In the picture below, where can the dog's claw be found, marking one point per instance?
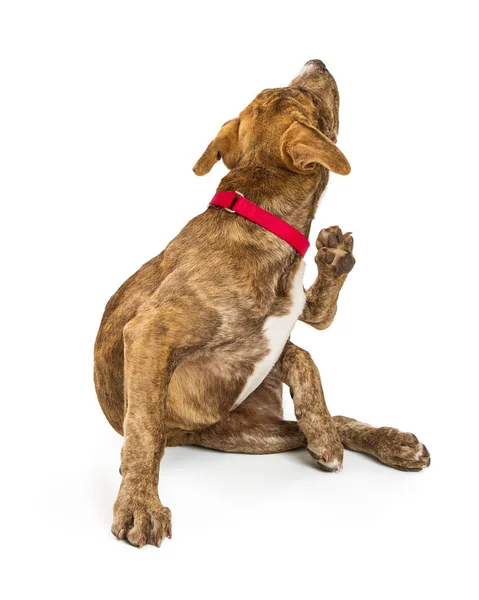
(325, 464)
(349, 240)
(326, 469)
(141, 521)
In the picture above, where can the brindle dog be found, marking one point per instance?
(194, 347)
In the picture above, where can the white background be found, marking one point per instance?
(105, 107)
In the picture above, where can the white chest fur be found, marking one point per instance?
(276, 331)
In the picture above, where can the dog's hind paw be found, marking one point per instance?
(335, 250)
(400, 450)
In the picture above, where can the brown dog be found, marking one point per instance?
(194, 347)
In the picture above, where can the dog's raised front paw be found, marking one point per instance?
(140, 518)
(400, 450)
(335, 250)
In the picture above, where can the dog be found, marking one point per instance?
(194, 347)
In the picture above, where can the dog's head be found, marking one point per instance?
(293, 127)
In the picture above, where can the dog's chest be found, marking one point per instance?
(276, 330)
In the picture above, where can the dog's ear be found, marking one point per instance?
(304, 147)
(225, 146)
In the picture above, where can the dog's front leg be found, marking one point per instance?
(138, 514)
(296, 368)
(334, 260)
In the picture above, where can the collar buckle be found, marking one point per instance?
(233, 202)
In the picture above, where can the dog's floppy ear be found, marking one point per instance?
(304, 147)
(225, 146)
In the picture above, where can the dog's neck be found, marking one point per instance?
(290, 196)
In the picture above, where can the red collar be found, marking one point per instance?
(235, 202)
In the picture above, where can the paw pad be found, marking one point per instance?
(335, 250)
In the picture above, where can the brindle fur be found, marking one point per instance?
(179, 339)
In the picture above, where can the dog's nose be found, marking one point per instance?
(315, 77)
(316, 64)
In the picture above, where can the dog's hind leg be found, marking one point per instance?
(255, 427)
(248, 430)
(249, 433)
(392, 447)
